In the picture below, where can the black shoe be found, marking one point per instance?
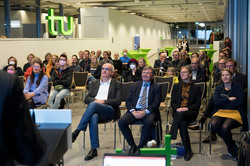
(233, 152)
(137, 151)
(92, 153)
(188, 155)
(213, 138)
(133, 149)
(75, 135)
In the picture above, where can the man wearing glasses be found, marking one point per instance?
(61, 79)
(143, 103)
(103, 99)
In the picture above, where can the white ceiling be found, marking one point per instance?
(169, 11)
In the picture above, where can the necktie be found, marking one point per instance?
(143, 101)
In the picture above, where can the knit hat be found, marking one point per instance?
(132, 60)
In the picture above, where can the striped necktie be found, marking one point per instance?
(143, 101)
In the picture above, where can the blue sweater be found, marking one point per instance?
(41, 91)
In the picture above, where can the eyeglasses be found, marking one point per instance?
(147, 73)
(222, 63)
(229, 66)
(183, 72)
(36, 67)
(107, 69)
(62, 59)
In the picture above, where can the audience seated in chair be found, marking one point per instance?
(12, 70)
(198, 73)
(46, 59)
(84, 63)
(51, 64)
(94, 70)
(216, 64)
(61, 79)
(29, 63)
(170, 73)
(143, 103)
(36, 89)
(133, 74)
(13, 61)
(185, 102)
(229, 112)
(105, 59)
(98, 55)
(74, 64)
(162, 63)
(238, 78)
(103, 101)
(118, 64)
(177, 63)
(185, 57)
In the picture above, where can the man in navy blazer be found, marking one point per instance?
(137, 111)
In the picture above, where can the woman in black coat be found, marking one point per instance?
(229, 112)
(185, 102)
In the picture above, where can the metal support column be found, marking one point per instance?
(7, 18)
(38, 19)
(205, 36)
(61, 10)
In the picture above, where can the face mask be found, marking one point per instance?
(124, 53)
(62, 63)
(10, 71)
(12, 63)
(132, 66)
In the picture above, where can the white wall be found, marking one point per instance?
(122, 28)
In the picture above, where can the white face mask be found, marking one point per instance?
(132, 66)
(12, 63)
(124, 53)
(62, 63)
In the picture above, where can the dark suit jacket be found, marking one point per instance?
(194, 100)
(177, 65)
(222, 102)
(114, 95)
(154, 97)
(19, 138)
(165, 65)
(240, 78)
(201, 75)
(82, 64)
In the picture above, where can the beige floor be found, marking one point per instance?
(75, 156)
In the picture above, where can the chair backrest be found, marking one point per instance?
(163, 73)
(125, 89)
(164, 90)
(157, 71)
(170, 80)
(202, 87)
(80, 78)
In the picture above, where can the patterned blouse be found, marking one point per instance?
(185, 94)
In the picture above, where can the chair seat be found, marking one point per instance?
(193, 123)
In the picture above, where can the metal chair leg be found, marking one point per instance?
(83, 140)
(210, 139)
(114, 135)
(200, 138)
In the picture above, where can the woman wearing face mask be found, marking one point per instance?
(36, 89)
(12, 61)
(133, 74)
(11, 69)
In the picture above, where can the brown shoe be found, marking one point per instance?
(213, 138)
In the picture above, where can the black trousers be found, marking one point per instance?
(223, 126)
(128, 119)
(181, 120)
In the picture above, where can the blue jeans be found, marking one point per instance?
(57, 96)
(93, 114)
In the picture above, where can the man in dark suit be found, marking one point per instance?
(177, 63)
(86, 60)
(162, 63)
(198, 73)
(143, 103)
(19, 138)
(103, 99)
